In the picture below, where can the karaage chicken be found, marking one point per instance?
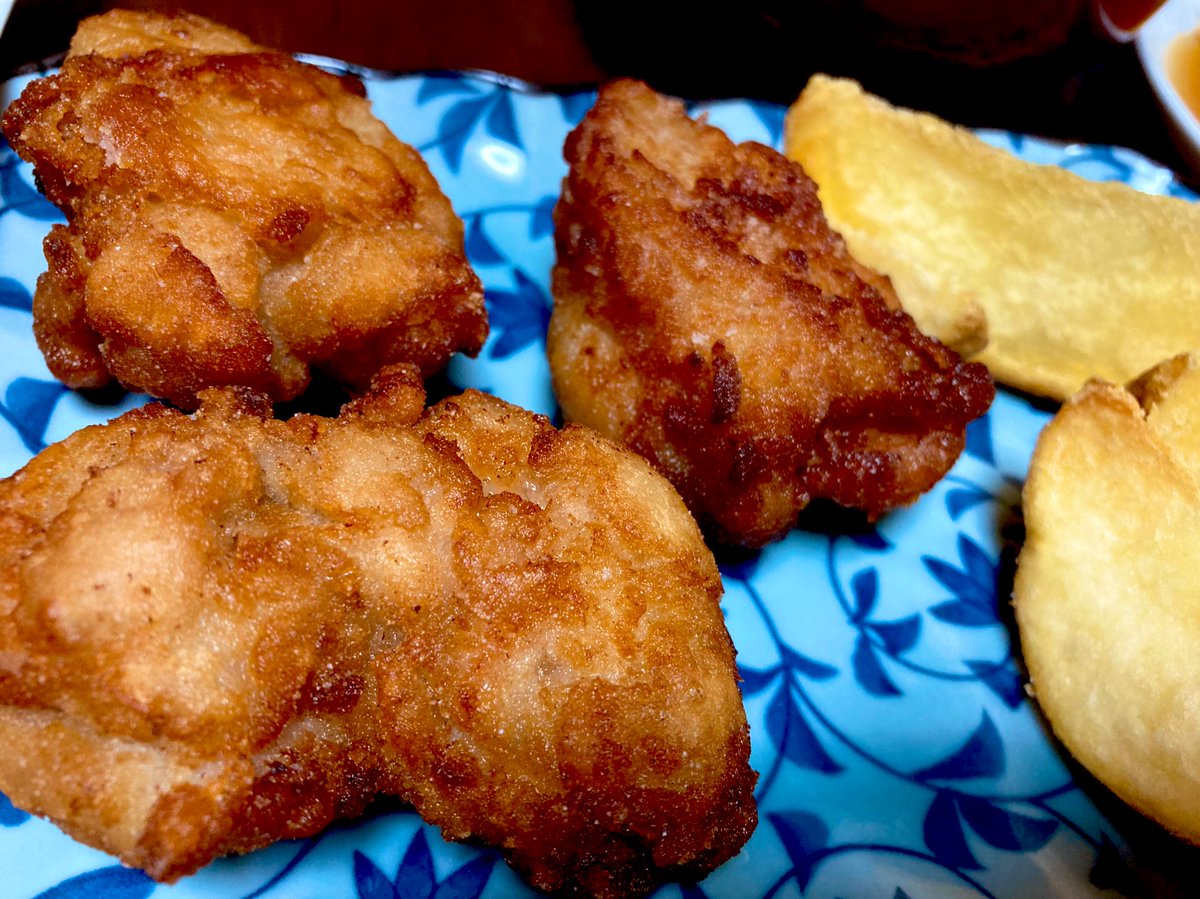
(235, 217)
(221, 630)
(708, 317)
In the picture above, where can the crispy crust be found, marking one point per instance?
(708, 317)
(1044, 276)
(221, 630)
(1107, 591)
(235, 217)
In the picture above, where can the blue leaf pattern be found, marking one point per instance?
(973, 586)
(963, 613)
(501, 122)
(17, 196)
(792, 736)
(979, 440)
(870, 540)
(944, 835)
(961, 499)
(468, 881)
(804, 837)
(575, 106)
(10, 815)
(811, 720)
(808, 667)
(370, 882)
(982, 755)
(897, 636)
(442, 86)
(479, 247)
(28, 405)
(741, 569)
(868, 670)
(772, 118)
(518, 317)
(1003, 680)
(456, 128)
(865, 587)
(114, 882)
(1098, 165)
(755, 681)
(1005, 829)
(415, 877)
(541, 223)
(13, 295)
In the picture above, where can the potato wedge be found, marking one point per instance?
(1063, 278)
(1107, 590)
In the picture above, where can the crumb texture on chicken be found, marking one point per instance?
(708, 317)
(222, 630)
(235, 217)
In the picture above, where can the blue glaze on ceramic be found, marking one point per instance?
(898, 753)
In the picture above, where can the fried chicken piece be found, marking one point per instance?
(707, 316)
(222, 630)
(235, 218)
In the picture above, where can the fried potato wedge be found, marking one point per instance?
(1107, 589)
(1062, 278)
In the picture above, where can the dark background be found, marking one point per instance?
(1041, 67)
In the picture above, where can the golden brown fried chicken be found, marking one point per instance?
(235, 218)
(221, 630)
(708, 317)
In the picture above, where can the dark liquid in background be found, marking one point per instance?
(1044, 67)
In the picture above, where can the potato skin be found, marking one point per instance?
(234, 217)
(706, 316)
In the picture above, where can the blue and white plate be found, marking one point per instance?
(898, 753)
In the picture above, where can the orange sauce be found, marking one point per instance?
(1183, 68)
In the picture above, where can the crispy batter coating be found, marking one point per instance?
(235, 218)
(1047, 278)
(1107, 588)
(708, 317)
(221, 630)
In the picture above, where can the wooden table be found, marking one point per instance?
(1084, 89)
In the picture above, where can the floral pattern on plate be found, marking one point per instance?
(899, 755)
